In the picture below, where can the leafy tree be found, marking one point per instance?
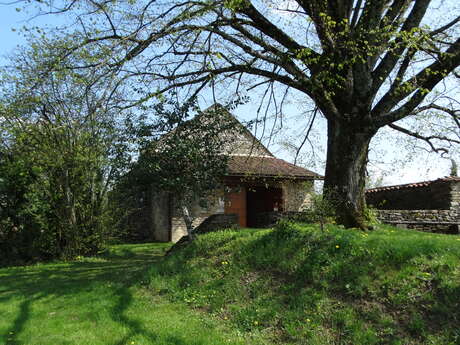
(62, 148)
(366, 64)
(321, 211)
(20, 202)
(183, 156)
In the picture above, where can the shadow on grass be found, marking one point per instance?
(136, 327)
(19, 322)
(121, 269)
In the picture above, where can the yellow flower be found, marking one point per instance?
(337, 246)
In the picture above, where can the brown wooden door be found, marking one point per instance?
(235, 202)
(261, 200)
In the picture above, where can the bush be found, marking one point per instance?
(51, 206)
(321, 211)
(371, 215)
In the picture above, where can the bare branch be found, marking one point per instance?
(427, 139)
(310, 126)
(420, 84)
(445, 27)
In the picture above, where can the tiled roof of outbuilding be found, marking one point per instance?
(268, 167)
(414, 185)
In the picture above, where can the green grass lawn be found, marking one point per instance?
(101, 301)
(294, 284)
(300, 285)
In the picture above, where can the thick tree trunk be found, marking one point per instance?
(344, 185)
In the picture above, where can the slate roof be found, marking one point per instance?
(414, 185)
(265, 166)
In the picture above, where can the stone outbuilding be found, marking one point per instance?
(428, 205)
(256, 184)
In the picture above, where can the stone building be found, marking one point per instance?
(256, 183)
(429, 205)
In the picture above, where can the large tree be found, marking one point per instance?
(62, 144)
(365, 64)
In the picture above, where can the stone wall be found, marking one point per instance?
(214, 205)
(159, 216)
(296, 195)
(436, 195)
(425, 220)
(428, 206)
(455, 196)
(178, 228)
(241, 142)
(217, 222)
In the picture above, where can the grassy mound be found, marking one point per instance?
(299, 285)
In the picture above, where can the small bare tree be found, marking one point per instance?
(182, 156)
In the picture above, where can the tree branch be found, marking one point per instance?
(427, 139)
(383, 70)
(421, 84)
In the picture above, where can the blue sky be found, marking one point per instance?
(12, 22)
(9, 19)
(424, 167)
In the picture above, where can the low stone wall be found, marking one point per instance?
(199, 211)
(441, 194)
(218, 222)
(296, 195)
(432, 196)
(446, 221)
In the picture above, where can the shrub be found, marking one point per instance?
(321, 211)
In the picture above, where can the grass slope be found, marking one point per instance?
(100, 301)
(298, 285)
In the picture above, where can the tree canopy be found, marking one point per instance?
(365, 64)
(62, 146)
